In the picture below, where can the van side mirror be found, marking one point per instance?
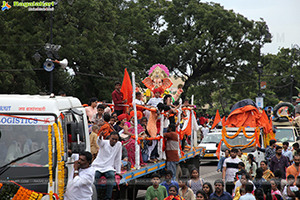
(76, 131)
(298, 137)
(217, 144)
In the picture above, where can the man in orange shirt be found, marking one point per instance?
(106, 127)
(294, 169)
(172, 146)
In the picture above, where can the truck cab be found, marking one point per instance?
(240, 141)
(286, 132)
(24, 123)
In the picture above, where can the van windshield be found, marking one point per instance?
(212, 138)
(21, 136)
(284, 135)
(238, 140)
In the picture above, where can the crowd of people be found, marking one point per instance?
(112, 141)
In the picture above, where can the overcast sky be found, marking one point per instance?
(282, 17)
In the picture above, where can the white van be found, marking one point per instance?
(242, 140)
(210, 143)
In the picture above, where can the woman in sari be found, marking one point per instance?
(268, 174)
(129, 142)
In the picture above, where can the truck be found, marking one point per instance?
(27, 132)
(246, 144)
(24, 127)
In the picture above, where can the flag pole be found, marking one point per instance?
(137, 146)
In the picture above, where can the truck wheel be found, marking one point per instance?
(290, 106)
(185, 172)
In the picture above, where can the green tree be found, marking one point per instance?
(207, 43)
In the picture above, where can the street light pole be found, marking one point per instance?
(51, 41)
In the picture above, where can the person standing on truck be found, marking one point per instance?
(93, 141)
(117, 97)
(230, 166)
(108, 161)
(98, 117)
(172, 147)
(91, 109)
(80, 186)
(279, 161)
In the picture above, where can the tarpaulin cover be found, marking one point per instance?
(244, 113)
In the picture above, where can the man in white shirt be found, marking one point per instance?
(80, 185)
(157, 98)
(108, 161)
(205, 130)
(230, 166)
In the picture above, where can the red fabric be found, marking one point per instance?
(139, 114)
(123, 116)
(117, 97)
(217, 119)
(202, 120)
(218, 152)
(126, 88)
(247, 116)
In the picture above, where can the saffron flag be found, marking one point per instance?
(218, 152)
(217, 119)
(126, 88)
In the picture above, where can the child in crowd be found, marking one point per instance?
(168, 182)
(156, 191)
(93, 141)
(184, 191)
(196, 183)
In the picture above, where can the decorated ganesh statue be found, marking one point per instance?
(159, 78)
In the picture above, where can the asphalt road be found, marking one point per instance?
(208, 171)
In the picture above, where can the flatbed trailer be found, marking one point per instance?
(134, 180)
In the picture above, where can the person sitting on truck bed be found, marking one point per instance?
(106, 128)
(156, 191)
(80, 186)
(98, 117)
(92, 108)
(108, 161)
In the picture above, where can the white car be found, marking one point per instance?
(210, 143)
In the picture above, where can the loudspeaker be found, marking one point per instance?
(63, 63)
(48, 65)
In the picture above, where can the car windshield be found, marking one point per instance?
(22, 136)
(212, 138)
(284, 135)
(238, 140)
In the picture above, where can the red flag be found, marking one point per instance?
(223, 121)
(218, 152)
(217, 119)
(126, 88)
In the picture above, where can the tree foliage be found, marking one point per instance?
(215, 51)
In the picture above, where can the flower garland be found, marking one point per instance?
(59, 162)
(50, 163)
(255, 137)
